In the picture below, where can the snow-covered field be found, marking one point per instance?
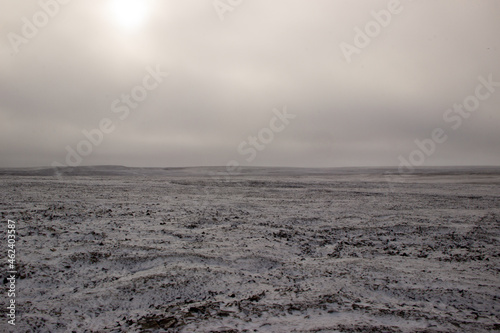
(268, 250)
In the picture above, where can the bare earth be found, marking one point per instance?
(268, 250)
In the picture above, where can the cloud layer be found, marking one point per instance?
(226, 77)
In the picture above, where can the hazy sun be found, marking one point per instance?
(129, 13)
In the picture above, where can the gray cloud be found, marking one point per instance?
(225, 78)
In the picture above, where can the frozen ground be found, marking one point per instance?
(269, 250)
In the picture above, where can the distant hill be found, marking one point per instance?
(117, 170)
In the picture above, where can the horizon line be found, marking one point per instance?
(257, 166)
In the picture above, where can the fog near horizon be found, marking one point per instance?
(258, 83)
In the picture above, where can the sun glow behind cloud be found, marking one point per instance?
(129, 14)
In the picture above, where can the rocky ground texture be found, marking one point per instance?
(255, 252)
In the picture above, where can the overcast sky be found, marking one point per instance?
(233, 67)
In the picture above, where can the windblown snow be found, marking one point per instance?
(113, 249)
